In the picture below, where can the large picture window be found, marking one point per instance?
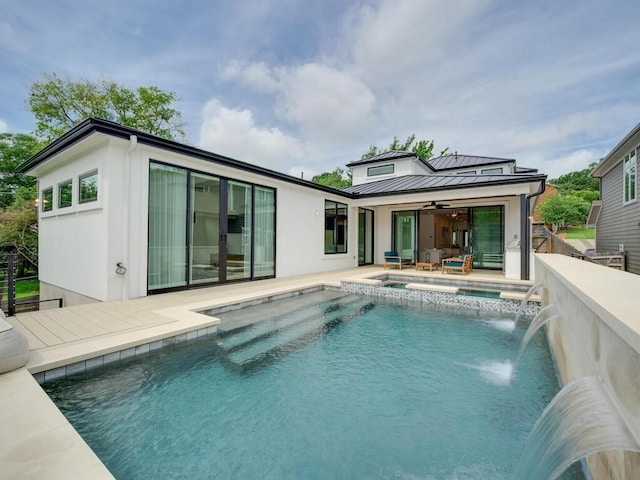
(335, 227)
(630, 168)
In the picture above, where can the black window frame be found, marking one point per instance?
(336, 228)
(372, 171)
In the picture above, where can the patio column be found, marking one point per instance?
(525, 239)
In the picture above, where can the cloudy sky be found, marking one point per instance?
(306, 86)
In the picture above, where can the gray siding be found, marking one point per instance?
(618, 223)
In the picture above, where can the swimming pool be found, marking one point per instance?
(344, 386)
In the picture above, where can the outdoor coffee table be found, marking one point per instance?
(430, 265)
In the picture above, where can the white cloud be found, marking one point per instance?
(396, 41)
(571, 162)
(256, 75)
(3, 126)
(324, 102)
(233, 133)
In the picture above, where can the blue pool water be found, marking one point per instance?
(330, 386)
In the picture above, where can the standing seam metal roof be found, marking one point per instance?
(411, 183)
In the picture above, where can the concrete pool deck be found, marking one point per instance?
(38, 442)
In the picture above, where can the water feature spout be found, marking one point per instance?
(537, 288)
(582, 419)
(546, 314)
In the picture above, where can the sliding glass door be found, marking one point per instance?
(167, 255)
(238, 235)
(264, 235)
(205, 229)
(365, 236)
(488, 237)
(405, 233)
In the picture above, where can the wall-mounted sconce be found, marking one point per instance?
(120, 269)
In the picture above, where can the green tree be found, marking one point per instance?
(564, 210)
(423, 148)
(336, 179)
(15, 148)
(578, 181)
(19, 230)
(60, 104)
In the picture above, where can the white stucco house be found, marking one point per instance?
(124, 214)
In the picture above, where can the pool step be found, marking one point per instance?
(241, 337)
(261, 351)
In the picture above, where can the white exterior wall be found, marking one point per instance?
(403, 166)
(81, 245)
(73, 247)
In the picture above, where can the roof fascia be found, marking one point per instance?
(385, 160)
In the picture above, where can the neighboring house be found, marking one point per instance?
(124, 214)
(617, 214)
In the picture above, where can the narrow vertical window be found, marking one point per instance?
(65, 194)
(335, 227)
(88, 187)
(629, 168)
(47, 199)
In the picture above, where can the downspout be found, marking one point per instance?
(525, 232)
(126, 215)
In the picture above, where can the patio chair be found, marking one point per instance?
(462, 264)
(392, 258)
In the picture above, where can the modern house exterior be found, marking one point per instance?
(617, 214)
(124, 214)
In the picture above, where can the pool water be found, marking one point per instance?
(362, 388)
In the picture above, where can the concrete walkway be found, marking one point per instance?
(582, 244)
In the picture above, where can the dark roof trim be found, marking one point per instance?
(385, 156)
(613, 157)
(98, 125)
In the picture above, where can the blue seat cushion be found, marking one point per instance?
(454, 264)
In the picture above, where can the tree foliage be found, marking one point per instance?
(19, 229)
(15, 148)
(579, 181)
(423, 148)
(336, 179)
(564, 210)
(60, 104)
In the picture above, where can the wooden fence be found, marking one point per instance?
(545, 241)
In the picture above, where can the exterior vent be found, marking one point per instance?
(594, 214)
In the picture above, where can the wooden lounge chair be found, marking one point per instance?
(392, 258)
(462, 264)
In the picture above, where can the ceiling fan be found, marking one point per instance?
(435, 205)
